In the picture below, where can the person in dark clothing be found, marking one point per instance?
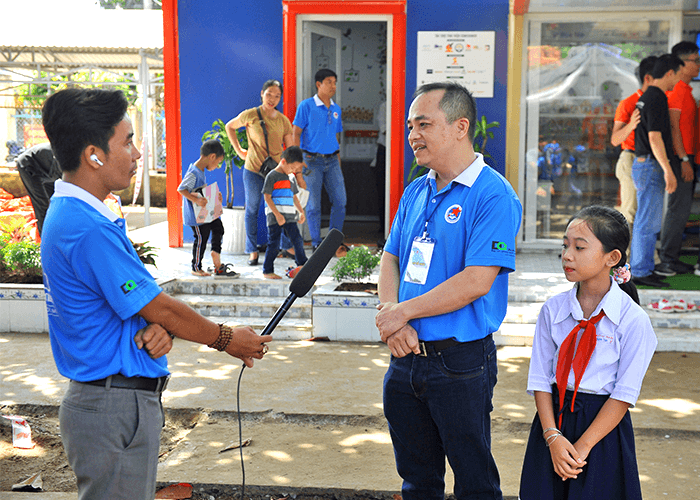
(651, 170)
(39, 169)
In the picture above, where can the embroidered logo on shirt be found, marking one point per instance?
(335, 115)
(453, 214)
(128, 286)
(499, 245)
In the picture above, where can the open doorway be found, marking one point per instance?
(357, 52)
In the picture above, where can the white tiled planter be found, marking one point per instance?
(23, 309)
(344, 316)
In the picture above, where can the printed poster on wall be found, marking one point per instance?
(466, 57)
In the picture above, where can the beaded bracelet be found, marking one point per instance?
(224, 339)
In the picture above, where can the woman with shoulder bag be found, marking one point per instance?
(269, 132)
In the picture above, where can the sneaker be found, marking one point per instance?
(650, 281)
(697, 272)
(664, 269)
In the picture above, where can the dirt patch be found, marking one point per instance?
(49, 458)
(357, 287)
(8, 277)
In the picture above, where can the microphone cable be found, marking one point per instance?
(301, 284)
(240, 429)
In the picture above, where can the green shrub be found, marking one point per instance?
(357, 265)
(23, 257)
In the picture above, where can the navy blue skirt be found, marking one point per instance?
(611, 470)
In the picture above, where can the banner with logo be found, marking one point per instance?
(466, 57)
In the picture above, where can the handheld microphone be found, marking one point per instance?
(307, 276)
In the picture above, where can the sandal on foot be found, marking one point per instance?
(293, 271)
(342, 251)
(200, 273)
(272, 276)
(226, 270)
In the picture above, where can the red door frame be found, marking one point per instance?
(397, 10)
(291, 8)
(173, 146)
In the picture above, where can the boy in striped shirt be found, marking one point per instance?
(283, 210)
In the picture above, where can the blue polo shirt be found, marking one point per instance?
(95, 286)
(475, 219)
(320, 125)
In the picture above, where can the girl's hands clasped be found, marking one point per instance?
(566, 459)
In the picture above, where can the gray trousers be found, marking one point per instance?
(677, 213)
(112, 439)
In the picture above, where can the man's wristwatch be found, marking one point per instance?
(685, 159)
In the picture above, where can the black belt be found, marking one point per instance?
(320, 154)
(435, 346)
(139, 383)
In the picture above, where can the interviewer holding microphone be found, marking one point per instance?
(110, 324)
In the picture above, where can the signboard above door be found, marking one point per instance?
(465, 57)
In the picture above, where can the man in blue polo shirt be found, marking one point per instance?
(317, 128)
(110, 324)
(443, 287)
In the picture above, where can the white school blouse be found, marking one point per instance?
(625, 343)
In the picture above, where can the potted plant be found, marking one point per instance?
(233, 217)
(343, 310)
(22, 299)
(218, 132)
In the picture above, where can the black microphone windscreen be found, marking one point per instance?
(313, 268)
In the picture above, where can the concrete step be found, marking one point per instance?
(540, 292)
(244, 306)
(527, 312)
(228, 286)
(670, 339)
(287, 329)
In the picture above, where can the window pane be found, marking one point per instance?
(577, 73)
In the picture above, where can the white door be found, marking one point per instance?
(321, 46)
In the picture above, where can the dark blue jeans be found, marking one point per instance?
(252, 186)
(324, 173)
(649, 181)
(273, 246)
(439, 405)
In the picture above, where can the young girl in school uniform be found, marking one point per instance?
(591, 349)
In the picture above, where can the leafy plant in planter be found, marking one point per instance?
(20, 255)
(357, 265)
(146, 253)
(218, 132)
(482, 134)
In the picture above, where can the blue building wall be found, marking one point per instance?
(228, 49)
(472, 15)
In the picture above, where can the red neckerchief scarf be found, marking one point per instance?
(567, 360)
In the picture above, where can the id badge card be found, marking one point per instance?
(419, 263)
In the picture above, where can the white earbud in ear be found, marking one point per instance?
(94, 158)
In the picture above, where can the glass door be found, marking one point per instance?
(576, 73)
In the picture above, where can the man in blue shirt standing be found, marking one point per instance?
(110, 324)
(317, 128)
(443, 287)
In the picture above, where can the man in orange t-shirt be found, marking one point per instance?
(626, 120)
(682, 109)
